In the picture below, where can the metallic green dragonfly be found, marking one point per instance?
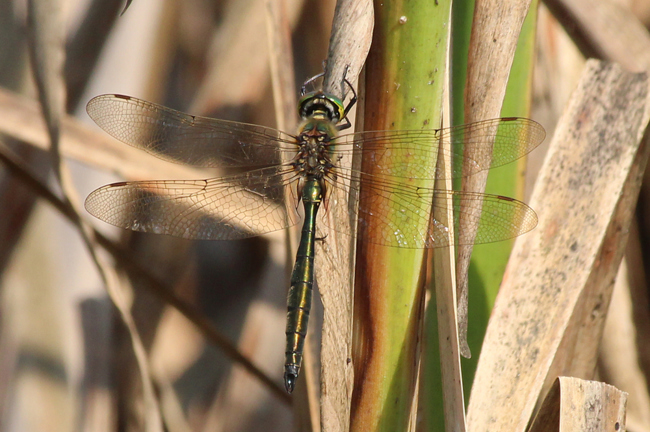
(280, 170)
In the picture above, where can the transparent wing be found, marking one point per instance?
(226, 208)
(407, 208)
(406, 153)
(201, 141)
(251, 203)
(179, 137)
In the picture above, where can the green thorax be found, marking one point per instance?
(320, 113)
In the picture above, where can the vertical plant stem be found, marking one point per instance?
(404, 82)
(489, 261)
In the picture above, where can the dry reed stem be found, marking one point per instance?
(579, 405)
(550, 311)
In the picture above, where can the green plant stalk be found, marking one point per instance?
(404, 85)
(489, 261)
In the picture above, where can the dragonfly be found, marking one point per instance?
(273, 171)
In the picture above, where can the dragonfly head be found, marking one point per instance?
(321, 105)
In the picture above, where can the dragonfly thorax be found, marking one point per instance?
(313, 157)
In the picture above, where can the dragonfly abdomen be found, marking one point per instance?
(302, 280)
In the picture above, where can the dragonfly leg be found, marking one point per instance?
(303, 89)
(342, 126)
(350, 104)
(353, 101)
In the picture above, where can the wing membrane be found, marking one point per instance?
(501, 218)
(201, 141)
(252, 203)
(406, 153)
(178, 137)
(227, 208)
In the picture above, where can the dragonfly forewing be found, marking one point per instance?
(178, 137)
(474, 147)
